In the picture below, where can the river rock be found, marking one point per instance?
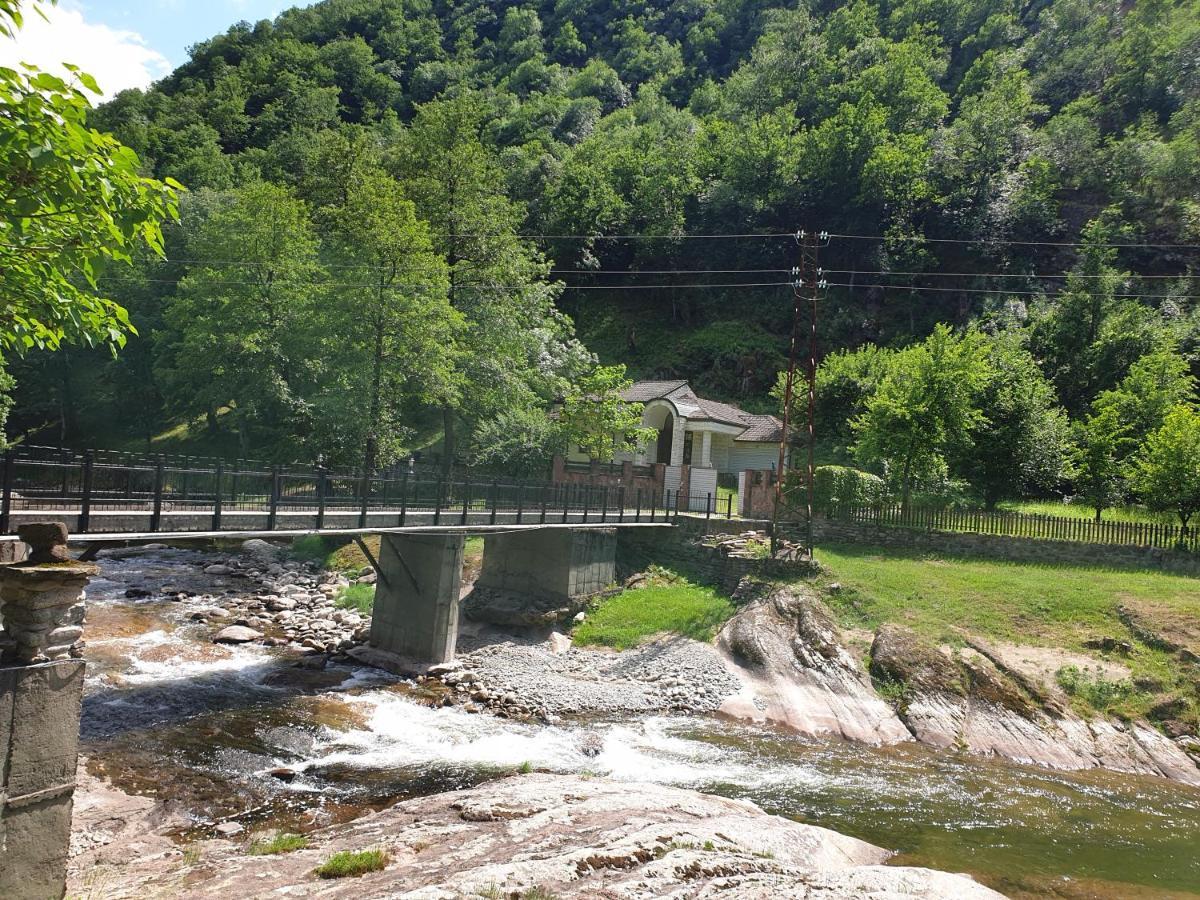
(514, 610)
(261, 552)
(787, 651)
(217, 569)
(571, 838)
(236, 634)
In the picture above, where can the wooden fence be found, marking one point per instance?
(1022, 525)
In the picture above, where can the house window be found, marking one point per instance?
(687, 449)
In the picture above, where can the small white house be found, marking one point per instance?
(706, 436)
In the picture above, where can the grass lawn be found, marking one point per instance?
(1082, 511)
(668, 603)
(1052, 606)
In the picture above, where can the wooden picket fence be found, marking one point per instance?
(1017, 524)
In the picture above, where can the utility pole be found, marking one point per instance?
(808, 282)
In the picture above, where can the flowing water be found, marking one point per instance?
(202, 726)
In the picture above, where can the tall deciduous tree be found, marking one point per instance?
(925, 407)
(519, 351)
(1100, 472)
(234, 322)
(388, 330)
(1167, 470)
(1023, 442)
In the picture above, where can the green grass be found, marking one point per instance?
(358, 597)
(281, 843)
(725, 494)
(1082, 511)
(350, 863)
(1051, 606)
(632, 616)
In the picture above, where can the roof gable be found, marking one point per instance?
(700, 409)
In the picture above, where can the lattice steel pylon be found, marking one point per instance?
(794, 496)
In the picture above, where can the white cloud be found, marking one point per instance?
(116, 59)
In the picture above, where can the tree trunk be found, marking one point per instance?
(371, 454)
(449, 443)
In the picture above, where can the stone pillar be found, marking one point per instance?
(415, 619)
(555, 564)
(705, 450)
(41, 691)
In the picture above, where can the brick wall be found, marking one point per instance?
(616, 476)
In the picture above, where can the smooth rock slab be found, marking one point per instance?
(573, 838)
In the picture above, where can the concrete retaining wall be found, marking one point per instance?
(554, 564)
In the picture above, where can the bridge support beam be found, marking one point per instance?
(550, 564)
(415, 618)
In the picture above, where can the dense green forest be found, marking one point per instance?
(430, 214)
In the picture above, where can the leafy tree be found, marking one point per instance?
(1023, 443)
(388, 329)
(1155, 385)
(1167, 471)
(1100, 472)
(232, 327)
(597, 420)
(925, 408)
(518, 351)
(72, 201)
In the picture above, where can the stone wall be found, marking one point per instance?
(1016, 549)
(757, 498)
(682, 550)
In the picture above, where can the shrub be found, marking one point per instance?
(835, 485)
(349, 863)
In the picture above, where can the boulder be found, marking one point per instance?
(261, 551)
(237, 634)
(786, 649)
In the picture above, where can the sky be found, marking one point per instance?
(126, 43)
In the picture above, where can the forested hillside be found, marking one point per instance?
(367, 177)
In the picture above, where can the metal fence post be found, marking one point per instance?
(156, 512)
(604, 503)
(6, 499)
(495, 501)
(403, 496)
(437, 502)
(273, 511)
(545, 500)
(520, 500)
(637, 513)
(219, 475)
(708, 506)
(466, 498)
(85, 503)
(321, 490)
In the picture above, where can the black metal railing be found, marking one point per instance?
(113, 493)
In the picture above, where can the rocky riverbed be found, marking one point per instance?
(549, 836)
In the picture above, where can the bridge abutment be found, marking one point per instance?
(551, 563)
(416, 597)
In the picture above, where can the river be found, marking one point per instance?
(223, 731)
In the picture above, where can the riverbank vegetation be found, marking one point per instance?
(1120, 616)
(349, 864)
(665, 604)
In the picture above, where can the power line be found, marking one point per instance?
(1008, 293)
(921, 239)
(569, 287)
(1041, 275)
(373, 267)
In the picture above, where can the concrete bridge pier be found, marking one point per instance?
(550, 564)
(415, 619)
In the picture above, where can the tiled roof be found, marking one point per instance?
(756, 427)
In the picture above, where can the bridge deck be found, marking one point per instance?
(470, 529)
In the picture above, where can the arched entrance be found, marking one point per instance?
(666, 434)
